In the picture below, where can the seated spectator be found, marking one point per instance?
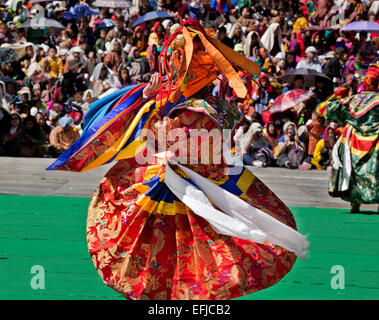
(323, 89)
(263, 94)
(333, 66)
(58, 98)
(290, 61)
(272, 39)
(251, 44)
(138, 66)
(157, 35)
(41, 120)
(52, 65)
(322, 156)
(257, 147)
(5, 35)
(75, 71)
(236, 34)
(139, 39)
(366, 48)
(123, 78)
(355, 67)
(89, 96)
(102, 79)
(310, 61)
(63, 136)
(31, 140)
(115, 56)
(9, 138)
(152, 58)
(118, 31)
(100, 44)
(271, 132)
(298, 83)
(36, 75)
(222, 37)
(290, 152)
(25, 95)
(54, 114)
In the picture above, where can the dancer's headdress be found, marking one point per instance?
(195, 62)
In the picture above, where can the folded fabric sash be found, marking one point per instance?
(237, 218)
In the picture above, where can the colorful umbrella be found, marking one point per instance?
(152, 16)
(358, 26)
(290, 99)
(80, 10)
(111, 4)
(7, 56)
(309, 76)
(106, 24)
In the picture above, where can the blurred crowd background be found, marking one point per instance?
(58, 57)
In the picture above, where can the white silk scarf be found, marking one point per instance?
(237, 218)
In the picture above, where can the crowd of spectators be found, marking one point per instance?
(58, 73)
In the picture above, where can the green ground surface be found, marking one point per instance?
(50, 232)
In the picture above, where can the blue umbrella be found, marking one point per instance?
(151, 16)
(359, 26)
(79, 11)
(106, 24)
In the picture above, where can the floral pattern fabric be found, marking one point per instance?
(146, 244)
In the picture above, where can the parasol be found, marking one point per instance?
(309, 76)
(105, 24)
(41, 23)
(359, 26)
(111, 4)
(153, 15)
(290, 99)
(79, 11)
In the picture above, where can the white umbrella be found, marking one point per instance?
(111, 4)
(41, 23)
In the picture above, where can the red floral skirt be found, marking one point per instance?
(146, 244)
